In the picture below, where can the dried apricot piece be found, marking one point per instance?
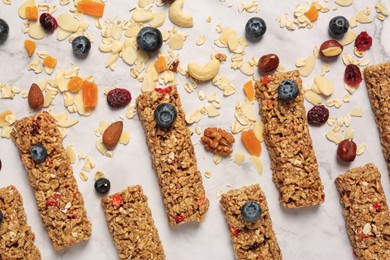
(91, 8)
(50, 62)
(75, 84)
(32, 12)
(30, 47)
(161, 64)
(251, 143)
(90, 94)
(249, 90)
(312, 13)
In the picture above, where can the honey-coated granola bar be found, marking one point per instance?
(286, 134)
(250, 240)
(16, 237)
(377, 79)
(366, 213)
(58, 198)
(173, 158)
(131, 224)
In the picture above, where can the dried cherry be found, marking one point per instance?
(179, 219)
(317, 115)
(363, 41)
(352, 75)
(48, 22)
(118, 97)
(346, 150)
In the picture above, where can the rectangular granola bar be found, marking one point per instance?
(59, 201)
(16, 236)
(173, 158)
(377, 79)
(131, 225)
(366, 213)
(251, 240)
(286, 134)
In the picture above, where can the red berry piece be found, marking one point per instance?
(363, 41)
(352, 75)
(346, 150)
(317, 115)
(48, 22)
(118, 98)
(34, 128)
(179, 219)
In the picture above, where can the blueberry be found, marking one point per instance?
(4, 30)
(251, 211)
(255, 28)
(48, 22)
(38, 153)
(81, 46)
(165, 114)
(338, 26)
(149, 39)
(102, 185)
(288, 90)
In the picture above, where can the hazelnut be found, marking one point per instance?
(331, 49)
(346, 150)
(268, 63)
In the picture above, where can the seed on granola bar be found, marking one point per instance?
(251, 211)
(165, 114)
(102, 185)
(38, 153)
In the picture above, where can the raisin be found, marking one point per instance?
(118, 98)
(317, 115)
(48, 22)
(35, 128)
(363, 41)
(352, 75)
(254, 246)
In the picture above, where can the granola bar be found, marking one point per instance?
(131, 225)
(366, 213)
(377, 79)
(251, 240)
(173, 159)
(16, 237)
(293, 162)
(59, 201)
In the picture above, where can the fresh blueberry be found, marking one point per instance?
(165, 114)
(255, 28)
(288, 90)
(38, 153)
(102, 185)
(338, 26)
(81, 46)
(4, 30)
(48, 22)
(251, 211)
(149, 39)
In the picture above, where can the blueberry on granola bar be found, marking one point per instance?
(288, 90)
(251, 211)
(165, 114)
(1, 216)
(38, 153)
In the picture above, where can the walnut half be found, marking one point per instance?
(218, 141)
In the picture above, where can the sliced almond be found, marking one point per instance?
(258, 129)
(362, 17)
(158, 20)
(349, 134)
(212, 111)
(36, 31)
(343, 2)
(71, 154)
(306, 69)
(313, 97)
(125, 138)
(357, 112)
(141, 15)
(62, 34)
(334, 137)
(324, 85)
(67, 22)
(257, 163)
(232, 42)
(348, 38)
(201, 40)
(360, 149)
(3, 115)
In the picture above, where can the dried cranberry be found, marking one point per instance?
(179, 219)
(352, 75)
(48, 22)
(317, 115)
(234, 231)
(117, 200)
(51, 202)
(363, 41)
(35, 128)
(377, 206)
(118, 98)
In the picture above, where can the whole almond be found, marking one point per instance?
(268, 63)
(112, 134)
(35, 97)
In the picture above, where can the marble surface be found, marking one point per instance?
(308, 233)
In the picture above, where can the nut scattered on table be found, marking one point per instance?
(218, 141)
(331, 49)
(268, 63)
(35, 97)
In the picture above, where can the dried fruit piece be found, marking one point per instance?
(50, 62)
(90, 94)
(112, 134)
(268, 63)
(118, 98)
(35, 97)
(75, 84)
(30, 47)
(161, 64)
(249, 90)
(346, 150)
(117, 200)
(317, 115)
(48, 22)
(32, 12)
(312, 13)
(251, 143)
(363, 41)
(91, 8)
(352, 75)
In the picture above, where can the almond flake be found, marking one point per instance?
(306, 69)
(348, 38)
(71, 154)
(201, 40)
(99, 175)
(313, 97)
(125, 138)
(257, 163)
(207, 174)
(334, 137)
(331, 121)
(83, 176)
(357, 112)
(349, 134)
(360, 149)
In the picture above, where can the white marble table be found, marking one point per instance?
(308, 233)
